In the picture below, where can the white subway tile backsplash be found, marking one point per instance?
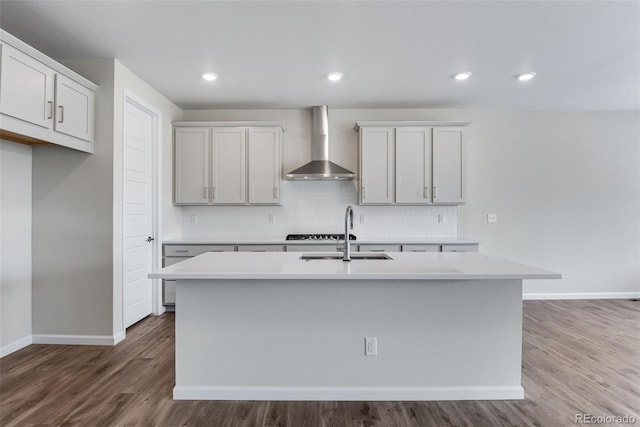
(318, 207)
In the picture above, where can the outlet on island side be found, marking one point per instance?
(492, 217)
(371, 346)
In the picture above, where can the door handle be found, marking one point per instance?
(61, 109)
(150, 239)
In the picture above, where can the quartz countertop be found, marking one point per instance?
(276, 241)
(402, 266)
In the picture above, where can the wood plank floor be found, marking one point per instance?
(578, 357)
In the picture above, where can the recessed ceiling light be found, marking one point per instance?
(463, 76)
(526, 76)
(334, 77)
(209, 76)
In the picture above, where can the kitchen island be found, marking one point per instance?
(271, 326)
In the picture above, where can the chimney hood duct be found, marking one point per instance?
(320, 168)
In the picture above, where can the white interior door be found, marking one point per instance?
(138, 245)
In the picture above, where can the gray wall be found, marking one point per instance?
(15, 245)
(73, 225)
(565, 186)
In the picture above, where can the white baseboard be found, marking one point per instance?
(77, 339)
(581, 295)
(15, 346)
(119, 337)
(347, 393)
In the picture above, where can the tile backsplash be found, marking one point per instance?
(318, 207)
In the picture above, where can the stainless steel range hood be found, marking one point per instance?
(320, 168)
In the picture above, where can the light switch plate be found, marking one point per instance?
(492, 217)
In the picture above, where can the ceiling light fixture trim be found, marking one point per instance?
(335, 76)
(462, 76)
(525, 77)
(209, 76)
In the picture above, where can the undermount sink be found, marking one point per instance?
(354, 257)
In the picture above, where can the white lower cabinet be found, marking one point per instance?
(172, 254)
(260, 248)
(460, 248)
(378, 248)
(216, 163)
(420, 248)
(312, 247)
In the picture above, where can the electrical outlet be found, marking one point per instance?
(371, 346)
(194, 219)
(272, 218)
(440, 218)
(492, 217)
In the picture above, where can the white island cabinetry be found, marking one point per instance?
(448, 327)
(228, 163)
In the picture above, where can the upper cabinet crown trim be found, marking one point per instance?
(41, 57)
(396, 123)
(281, 125)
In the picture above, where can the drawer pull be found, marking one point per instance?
(183, 251)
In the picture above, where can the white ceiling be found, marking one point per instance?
(393, 54)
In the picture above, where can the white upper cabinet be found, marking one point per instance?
(411, 163)
(73, 109)
(228, 170)
(26, 88)
(413, 166)
(41, 100)
(191, 166)
(217, 163)
(447, 166)
(265, 164)
(376, 166)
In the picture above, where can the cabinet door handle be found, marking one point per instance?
(426, 192)
(61, 109)
(213, 192)
(435, 192)
(364, 193)
(181, 250)
(275, 192)
(205, 193)
(50, 105)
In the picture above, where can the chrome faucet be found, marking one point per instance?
(348, 224)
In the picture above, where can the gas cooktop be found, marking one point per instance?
(315, 237)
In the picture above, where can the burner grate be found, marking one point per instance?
(319, 237)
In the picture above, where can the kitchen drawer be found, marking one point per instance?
(169, 292)
(167, 261)
(260, 248)
(420, 248)
(193, 250)
(379, 248)
(312, 248)
(460, 248)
